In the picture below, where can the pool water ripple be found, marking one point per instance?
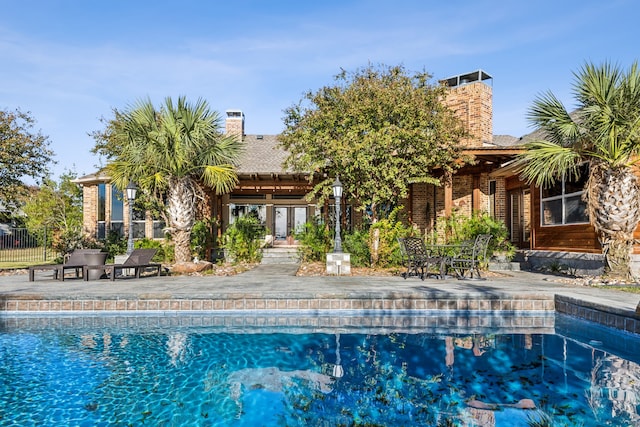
(210, 377)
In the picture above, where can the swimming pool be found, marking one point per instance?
(320, 371)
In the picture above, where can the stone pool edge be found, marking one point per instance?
(592, 311)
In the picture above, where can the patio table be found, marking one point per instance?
(446, 252)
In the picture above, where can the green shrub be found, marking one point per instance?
(383, 240)
(165, 249)
(315, 240)
(115, 244)
(458, 228)
(356, 243)
(243, 239)
(202, 237)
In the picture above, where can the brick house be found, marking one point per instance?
(276, 195)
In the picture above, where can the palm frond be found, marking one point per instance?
(222, 178)
(549, 114)
(544, 162)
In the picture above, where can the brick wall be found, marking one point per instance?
(472, 104)
(427, 201)
(234, 125)
(90, 209)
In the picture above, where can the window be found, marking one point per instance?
(237, 211)
(562, 203)
(101, 232)
(117, 211)
(139, 222)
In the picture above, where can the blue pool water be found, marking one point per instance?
(224, 372)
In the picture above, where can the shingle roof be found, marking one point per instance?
(262, 155)
(504, 140)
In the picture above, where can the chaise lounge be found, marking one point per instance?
(76, 261)
(139, 260)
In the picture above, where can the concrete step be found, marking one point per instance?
(282, 255)
(505, 266)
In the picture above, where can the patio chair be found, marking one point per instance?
(75, 261)
(469, 257)
(417, 258)
(139, 260)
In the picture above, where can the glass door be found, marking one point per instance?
(287, 220)
(281, 219)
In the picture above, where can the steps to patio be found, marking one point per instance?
(281, 255)
(517, 264)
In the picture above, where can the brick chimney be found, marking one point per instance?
(234, 124)
(471, 100)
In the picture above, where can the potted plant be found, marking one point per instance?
(504, 251)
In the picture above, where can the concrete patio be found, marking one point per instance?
(276, 288)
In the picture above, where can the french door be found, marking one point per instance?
(287, 220)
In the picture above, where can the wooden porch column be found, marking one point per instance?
(410, 204)
(448, 194)
(475, 196)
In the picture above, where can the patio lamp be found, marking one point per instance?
(131, 196)
(337, 193)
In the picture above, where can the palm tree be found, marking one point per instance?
(604, 133)
(173, 150)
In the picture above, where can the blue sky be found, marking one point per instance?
(70, 62)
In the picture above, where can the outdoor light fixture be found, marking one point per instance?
(337, 193)
(131, 196)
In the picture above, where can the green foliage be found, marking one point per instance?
(243, 239)
(458, 228)
(383, 240)
(605, 127)
(372, 128)
(315, 240)
(22, 154)
(202, 237)
(57, 207)
(603, 131)
(115, 244)
(164, 248)
(171, 152)
(356, 243)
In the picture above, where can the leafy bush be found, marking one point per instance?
(115, 244)
(383, 240)
(357, 244)
(458, 228)
(315, 240)
(201, 237)
(243, 239)
(165, 249)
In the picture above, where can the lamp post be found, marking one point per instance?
(131, 196)
(337, 193)
(338, 370)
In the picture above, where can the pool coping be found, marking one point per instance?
(520, 293)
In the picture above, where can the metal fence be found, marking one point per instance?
(19, 246)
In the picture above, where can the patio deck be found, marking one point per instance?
(274, 288)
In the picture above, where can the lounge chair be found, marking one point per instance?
(75, 261)
(139, 260)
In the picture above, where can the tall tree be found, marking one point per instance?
(23, 154)
(171, 150)
(604, 131)
(58, 208)
(380, 129)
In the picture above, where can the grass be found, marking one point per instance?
(25, 257)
